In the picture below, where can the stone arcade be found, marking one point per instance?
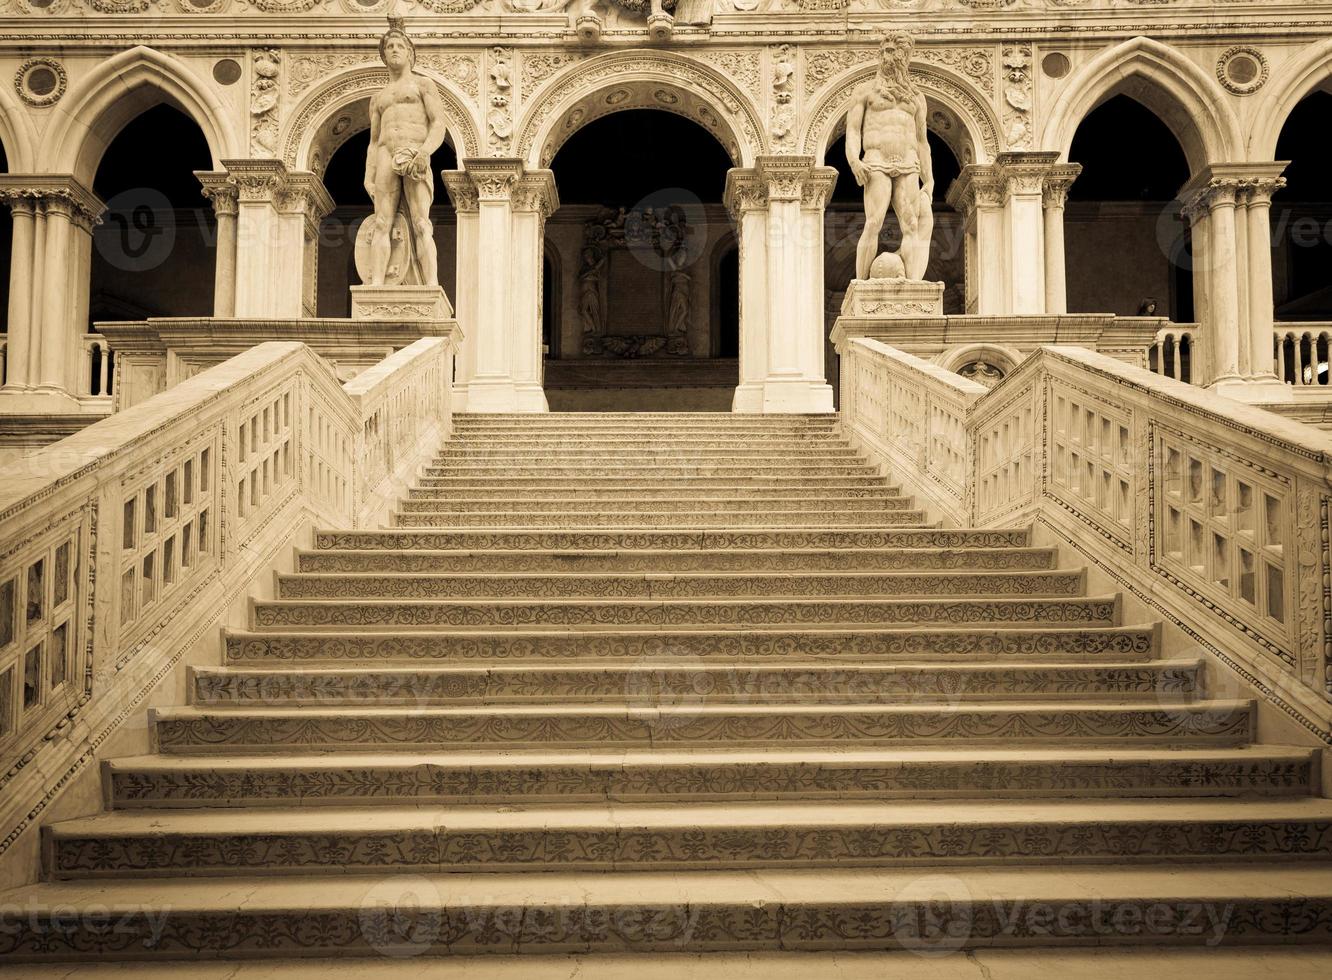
(755, 487)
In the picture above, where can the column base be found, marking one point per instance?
(44, 401)
(399, 303)
(501, 395)
(783, 396)
(1255, 391)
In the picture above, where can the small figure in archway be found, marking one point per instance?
(887, 121)
(406, 127)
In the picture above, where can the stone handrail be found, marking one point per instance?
(95, 371)
(124, 546)
(1300, 349)
(1176, 352)
(1213, 514)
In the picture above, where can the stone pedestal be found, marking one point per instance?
(406, 303)
(893, 297)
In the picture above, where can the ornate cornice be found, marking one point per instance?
(61, 193)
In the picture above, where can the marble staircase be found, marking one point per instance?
(684, 683)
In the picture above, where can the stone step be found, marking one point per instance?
(607, 493)
(682, 683)
(575, 487)
(682, 585)
(731, 468)
(667, 561)
(684, 837)
(397, 539)
(701, 775)
(722, 519)
(665, 441)
(194, 730)
(1007, 645)
(505, 455)
(669, 421)
(718, 614)
(447, 502)
(1200, 905)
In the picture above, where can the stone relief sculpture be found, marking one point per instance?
(406, 127)
(591, 16)
(889, 154)
(661, 238)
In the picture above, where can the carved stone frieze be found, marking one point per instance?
(975, 63)
(265, 101)
(499, 96)
(1018, 96)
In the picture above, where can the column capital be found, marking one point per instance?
(493, 178)
(1226, 184)
(219, 190)
(303, 193)
(1058, 180)
(978, 186)
(535, 191)
(256, 181)
(1037, 172)
(778, 178)
(61, 193)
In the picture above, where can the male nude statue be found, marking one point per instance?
(406, 127)
(887, 120)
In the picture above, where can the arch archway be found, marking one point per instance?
(1124, 247)
(958, 115)
(119, 90)
(635, 246)
(1179, 93)
(627, 80)
(1309, 72)
(337, 110)
(1302, 215)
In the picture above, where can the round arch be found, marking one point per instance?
(957, 113)
(1189, 101)
(639, 80)
(1309, 72)
(118, 90)
(337, 110)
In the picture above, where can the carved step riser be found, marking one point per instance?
(656, 495)
(839, 585)
(507, 782)
(583, 926)
(445, 503)
(1009, 646)
(647, 471)
(561, 444)
(592, 540)
(575, 486)
(542, 449)
(624, 848)
(682, 614)
(679, 519)
(251, 731)
(696, 684)
(668, 562)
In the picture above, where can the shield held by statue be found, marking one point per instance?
(404, 268)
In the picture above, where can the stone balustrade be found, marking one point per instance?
(128, 543)
(1210, 513)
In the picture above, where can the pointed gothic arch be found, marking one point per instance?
(118, 90)
(1183, 96)
(1310, 71)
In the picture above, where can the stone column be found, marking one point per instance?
(779, 207)
(1257, 194)
(50, 266)
(1024, 229)
(1054, 196)
(222, 194)
(1210, 199)
(978, 194)
(276, 212)
(502, 209)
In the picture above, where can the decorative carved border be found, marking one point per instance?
(731, 108)
(1246, 88)
(957, 94)
(328, 99)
